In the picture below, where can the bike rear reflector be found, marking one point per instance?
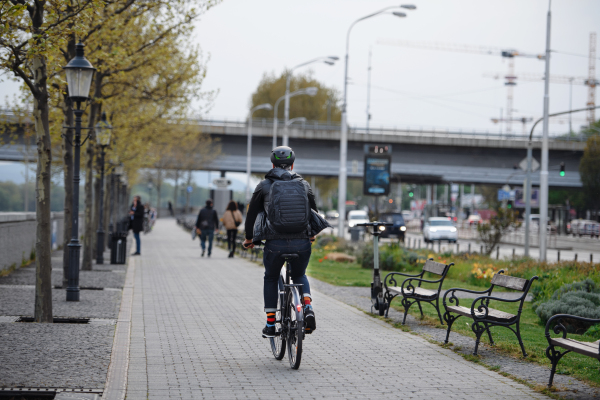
(299, 307)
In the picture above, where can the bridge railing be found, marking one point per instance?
(267, 123)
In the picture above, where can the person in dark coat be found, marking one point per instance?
(206, 226)
(136, 212)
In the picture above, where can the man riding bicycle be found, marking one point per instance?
(285, 200)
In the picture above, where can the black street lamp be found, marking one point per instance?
(103, 132)
(79, 73)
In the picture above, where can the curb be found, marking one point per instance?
(116, 379)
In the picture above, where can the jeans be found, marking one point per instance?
(231, 235)
(138, 244)
(207, 234)
(274, 262)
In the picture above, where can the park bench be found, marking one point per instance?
(590, 349)
(480, 312)
(412, 293)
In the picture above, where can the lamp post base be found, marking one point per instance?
(73, 286)
(100, 247)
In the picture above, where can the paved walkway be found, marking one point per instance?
(196, 334)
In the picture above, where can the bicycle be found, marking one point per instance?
(289, 318)
(377, 300)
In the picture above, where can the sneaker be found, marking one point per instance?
(136, 254)
(202, 255)
(309, 319)
(208, 255)
(269, 331)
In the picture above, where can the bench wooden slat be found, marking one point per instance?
(589, 349)
(419, 291)
(434, 267)
(493, 315)
(509, 282)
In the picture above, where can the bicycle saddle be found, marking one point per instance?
(290, 256)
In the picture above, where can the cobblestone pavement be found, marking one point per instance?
(71, 356)
(196, 334)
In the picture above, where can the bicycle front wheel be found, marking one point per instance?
(278, 342)
(295, 325)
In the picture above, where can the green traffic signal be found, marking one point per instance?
(562, 169)
(562, 173)
(410, 194)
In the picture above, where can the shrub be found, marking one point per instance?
(580, 298)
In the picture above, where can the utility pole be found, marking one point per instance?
(369, 92)
(544, 164)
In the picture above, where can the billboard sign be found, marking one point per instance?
(377, 175)
(520, 198)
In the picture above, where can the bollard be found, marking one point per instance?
(469, 251)
(513, 253)
(558, 255)
(497, 252)
(575, 256)
(439, 246)
(419, 244)
(457, 248)
(481, 249)
(591, 258)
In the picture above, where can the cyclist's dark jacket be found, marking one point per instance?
(263, 230)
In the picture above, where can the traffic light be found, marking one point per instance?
(562, 169)
(410, 194)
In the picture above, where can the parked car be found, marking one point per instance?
(332, 214)
(585, 227)
(396, 231)
(474, 219)
(439, 228)
(407, 215)
(357, 217)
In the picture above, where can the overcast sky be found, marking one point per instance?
(414, 87)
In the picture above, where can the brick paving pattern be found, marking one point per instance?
(196, 334)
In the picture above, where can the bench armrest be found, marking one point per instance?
(412, 287)
(454, 299)
(484, 300)
(393, 281)
(558, 328)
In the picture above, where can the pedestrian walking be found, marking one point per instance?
(136, 223)
(231, 220)
(171, 209)
(207, 225)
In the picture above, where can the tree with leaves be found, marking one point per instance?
(322, 107)
(491, 232)
(30, 34)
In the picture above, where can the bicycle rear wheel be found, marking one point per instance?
(295, 323)
(278, 342)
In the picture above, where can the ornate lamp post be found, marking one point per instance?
(103, 133)
(79, 72)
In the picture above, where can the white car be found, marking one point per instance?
(356, 217)
(439, 228)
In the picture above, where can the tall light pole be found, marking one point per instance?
(344, 132)
(103, 133)
(265, 106)
(298, 119)
(369, 92)
(311, 91)
(544, 163)
(79, 72)
(286, 113)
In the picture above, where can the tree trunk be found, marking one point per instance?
(89, 229)
(43, 247)
(106, 213)
(159, 173)
(175, 191)
(68, 183)
(96, 216)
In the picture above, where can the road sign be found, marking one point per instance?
(506, 188)
(503, 195)
(222, 182)
(190, 189)
(534, 164)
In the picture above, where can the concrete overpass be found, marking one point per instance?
(422, 155)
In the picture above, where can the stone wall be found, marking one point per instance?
(17, 236)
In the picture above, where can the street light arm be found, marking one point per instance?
(557, 114)
(362, 19)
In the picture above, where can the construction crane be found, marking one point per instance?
(507, 53)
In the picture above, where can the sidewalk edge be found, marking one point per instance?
(116, 378)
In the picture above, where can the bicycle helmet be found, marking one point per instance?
(282, 155)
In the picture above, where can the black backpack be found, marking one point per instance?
(289, 210)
